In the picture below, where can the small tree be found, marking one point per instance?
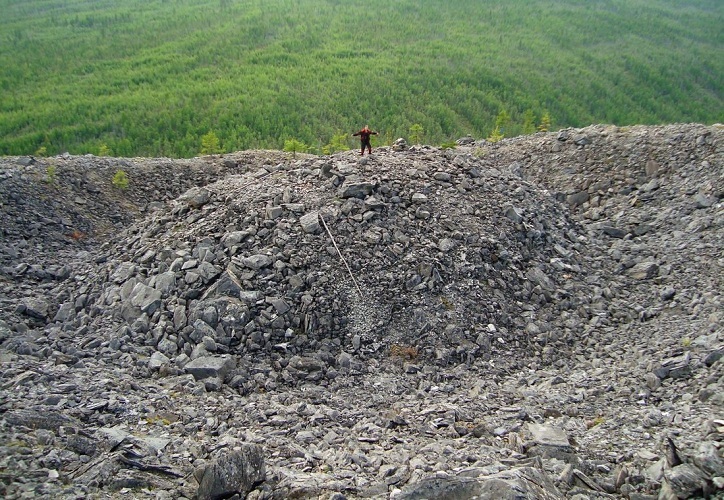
(295, 146)
(51, 174)
(389, 138)
(496, 135)
(416, 132)
(210, 144)
(529, 122)
(545, 122)
(502, 121)
(104, 150)
(336, 144)
(120, 179)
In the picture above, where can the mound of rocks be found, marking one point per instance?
(539, 316)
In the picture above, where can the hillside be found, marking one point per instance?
(140, 78)
(541, 315)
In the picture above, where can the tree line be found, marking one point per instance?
(142, 78)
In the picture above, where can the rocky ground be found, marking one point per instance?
(536, 318)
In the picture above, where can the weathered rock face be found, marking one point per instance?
(536, 315)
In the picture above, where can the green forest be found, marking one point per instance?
(177, 78)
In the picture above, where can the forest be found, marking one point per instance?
(179, 78)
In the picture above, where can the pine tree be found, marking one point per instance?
(295, 146)
(210, 144)
(416, 132)
(529, 122)
(545, 122)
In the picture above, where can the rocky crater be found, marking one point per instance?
(538, 318)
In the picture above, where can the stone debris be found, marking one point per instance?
(539, 317)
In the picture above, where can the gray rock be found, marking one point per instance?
(35, 419)
(652, 167)
(228, 285)
(202, 329)
(280, 305)
(145, 298)
(514, 214)
(65, 313)
(704, 201)
(644, 270)
(235, 473)
(578, 198)
(685, 480)
(157, 361)
(357, 190)
(210, 366)
(310, 223)
(548, 435)
(36, 307)
(274, 212)
(581, 139)
(446, 244)
(419, 198)
(208, 271)
(524, 482)
(234, 238)
(196, 197)
(165, 282)
(257, 262)
(400, 145)
(538, 277)
(613, 232)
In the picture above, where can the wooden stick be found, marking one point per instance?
(340, 254)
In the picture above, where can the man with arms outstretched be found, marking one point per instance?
(364, 137)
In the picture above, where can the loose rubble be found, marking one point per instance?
(539, 317)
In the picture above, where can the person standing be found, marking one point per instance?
(364, 137)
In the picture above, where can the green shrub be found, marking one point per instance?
(295, 146)
(416, 133)
(50, 174)
(545, 122)
(120, 179)
(210, 144)
(336, 144)
(495, 135)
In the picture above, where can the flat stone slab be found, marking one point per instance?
(549, 436)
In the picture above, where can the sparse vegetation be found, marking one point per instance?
(595, 422)
(120, 179)
(416, 133)
(545, 122)
(495, 135)
(338, 143)
(447, 303)
(77, 235)
(409, 353)
(480, 152)
(295, 146)
(51, 172)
